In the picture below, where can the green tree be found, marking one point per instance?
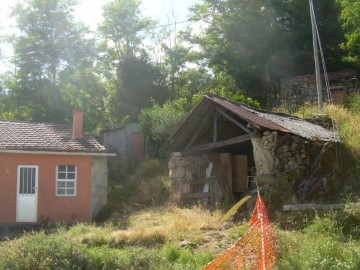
(239, 38)
(350, 10)
(135, 80)
(295, 56)
(257, 42)
(124, 26)
(52, 52)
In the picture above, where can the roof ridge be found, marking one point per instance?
(35, 122)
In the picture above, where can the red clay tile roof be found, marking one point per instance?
(336, 76)
(25, 136)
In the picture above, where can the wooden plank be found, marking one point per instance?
(199, 195)
(312, 206)
(200, 182)
(233, 120)
(215, 126)
(209, 170)
(208, 146)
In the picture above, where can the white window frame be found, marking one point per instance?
(66, 180)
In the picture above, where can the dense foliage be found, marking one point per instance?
(131, 64)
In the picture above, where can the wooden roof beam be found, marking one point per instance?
(201, 125)
(208, 146)
(244, 128)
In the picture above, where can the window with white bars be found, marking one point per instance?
(66, 180)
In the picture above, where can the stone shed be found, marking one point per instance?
(222, 149)
(296, 90)
(126, 141)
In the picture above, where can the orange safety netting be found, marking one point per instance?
(254, 250)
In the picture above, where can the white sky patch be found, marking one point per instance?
(90, 13)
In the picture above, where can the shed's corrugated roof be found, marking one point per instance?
(49, 137)
(275, 121)
(262, 119)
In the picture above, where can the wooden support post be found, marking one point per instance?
(233, 120)
(215, 126)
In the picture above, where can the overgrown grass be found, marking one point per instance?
(56, 251)
(329, 241)
(144, 232)
(320, 245)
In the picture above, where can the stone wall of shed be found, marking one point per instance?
(288, 151)
(186, 170)
(278, 154)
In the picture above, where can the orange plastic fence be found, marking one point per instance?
(255, 250)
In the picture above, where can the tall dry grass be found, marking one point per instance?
(150, 227)
(347, 119)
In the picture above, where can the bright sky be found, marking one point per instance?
(90, 12)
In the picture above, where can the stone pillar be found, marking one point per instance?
(264, 160)
(177, 171)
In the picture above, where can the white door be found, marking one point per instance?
(26, 203)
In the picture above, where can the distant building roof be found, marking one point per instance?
(48, 137)
(258, 118)
(336, 76)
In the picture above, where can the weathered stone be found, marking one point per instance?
(171, 165)
(189, 174)
(325, 161)
(172, 174)
(176, 154)
(266, 133)
(296, 139)
(277, 162)
(181, 163)
(179, 172)
(265, 179)
(263, 158)
(186, 188)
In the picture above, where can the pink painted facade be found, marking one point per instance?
(49, 205)
(50, 173)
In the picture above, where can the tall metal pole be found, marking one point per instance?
(316, 56)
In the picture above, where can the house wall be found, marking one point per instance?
(56, 208)
(99, 184)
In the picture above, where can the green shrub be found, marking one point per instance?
(103, 257)
(159, 122)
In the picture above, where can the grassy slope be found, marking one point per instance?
(162, 236)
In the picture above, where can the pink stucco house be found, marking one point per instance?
(50, 171)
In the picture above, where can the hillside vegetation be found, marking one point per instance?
(143, 228)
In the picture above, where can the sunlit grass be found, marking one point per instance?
(347, 120)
